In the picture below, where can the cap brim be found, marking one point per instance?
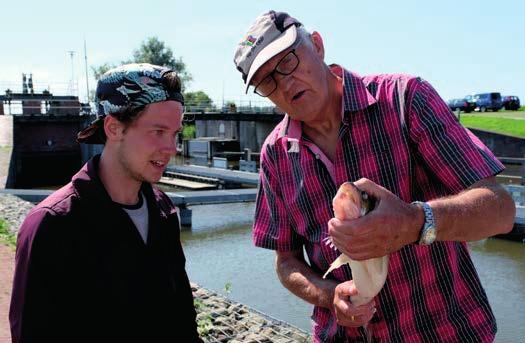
(280, 44)
(94, 133)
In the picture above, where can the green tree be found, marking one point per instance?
(198, 101)
(154, 51)
(101, 69)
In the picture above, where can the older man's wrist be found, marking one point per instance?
(327, 295)
(416, 224)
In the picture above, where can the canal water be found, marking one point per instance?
(220, 257)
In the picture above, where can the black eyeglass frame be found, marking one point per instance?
(272, 73)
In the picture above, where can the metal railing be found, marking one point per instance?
(39, 106)
(54, 87)
(243, 105)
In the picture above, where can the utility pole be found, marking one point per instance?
(72, 82)
(222, 108)
(87, 75)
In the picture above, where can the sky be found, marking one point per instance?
(460, 47)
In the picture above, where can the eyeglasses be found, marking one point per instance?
(285, 66)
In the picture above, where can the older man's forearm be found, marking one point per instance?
(300, 279)
(483, 210)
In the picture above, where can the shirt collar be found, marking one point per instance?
(355, 97)
(355, 94)
(88, 184)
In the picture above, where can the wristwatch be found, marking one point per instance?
(428, 232)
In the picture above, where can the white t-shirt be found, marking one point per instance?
(139, 215)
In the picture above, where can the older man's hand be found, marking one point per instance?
(391, 225)
(346, 313)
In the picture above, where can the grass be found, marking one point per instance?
(504, 125)
(6, 236)
(204, 321)
(500, 114)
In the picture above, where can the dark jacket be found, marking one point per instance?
(84, 274)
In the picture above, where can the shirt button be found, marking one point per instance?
(317, 156)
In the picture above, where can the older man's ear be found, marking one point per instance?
(318, 43)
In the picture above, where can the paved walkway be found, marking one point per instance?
(5, 160)
(6, 144)
(7, 257)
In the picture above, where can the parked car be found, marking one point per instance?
(461, 104)
(511, 102)
(471, 102)
(487, 101)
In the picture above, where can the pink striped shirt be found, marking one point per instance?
(432, 293)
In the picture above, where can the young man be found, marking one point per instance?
(100, 259)
(395, 137)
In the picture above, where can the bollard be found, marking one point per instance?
(522, 172)
(247, 154)
(185, 217)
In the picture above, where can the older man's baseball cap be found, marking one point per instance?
(271, 33)
(123, 90)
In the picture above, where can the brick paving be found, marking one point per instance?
(7, 258)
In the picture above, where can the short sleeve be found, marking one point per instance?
(271, 228)
(451, 152)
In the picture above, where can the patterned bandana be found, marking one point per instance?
(123, 90)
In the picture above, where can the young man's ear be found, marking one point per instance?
(113, 128)
(317, 41)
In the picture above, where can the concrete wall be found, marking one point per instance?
(501, 145)
(45, 135)
(89, 150)
(216, 128)
(45, 151)
(251, 134)
(248, 137)
(6, 131)
(40, 138)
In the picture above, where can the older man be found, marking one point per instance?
(395, 137)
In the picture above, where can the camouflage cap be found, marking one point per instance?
(271, 33)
